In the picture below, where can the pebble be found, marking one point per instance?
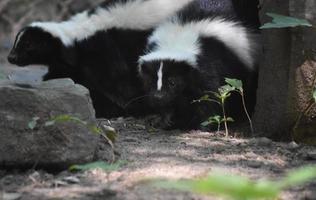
(311, 155)
(293, 145)
(59, 183)
(10, 196)
(254, 164)
(263, 141)
(71, 180)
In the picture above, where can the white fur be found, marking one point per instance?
(135, 14)
(159, 75)
(181, 42)
(18, 38)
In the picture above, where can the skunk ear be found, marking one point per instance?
(69, 56)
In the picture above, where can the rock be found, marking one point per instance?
(311, 155)
(293, 145)
(27, 142)
(260, 141)
(11, 196)
(71, 180)
(254, 163)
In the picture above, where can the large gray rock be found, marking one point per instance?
(56, 146)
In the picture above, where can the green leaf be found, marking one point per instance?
(206, 123)
(215, 118)
(205, 98)
(66, 118)
(314, 94)
(110, 133)
(212, 120)
(234, 83)
(98, 165)
(32, 124)
(94, 129)
(299, 176)
(282, 21)
(235, 187)
(229, 119)
(225, 90)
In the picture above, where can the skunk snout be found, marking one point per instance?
(12, 57)
(158, 95)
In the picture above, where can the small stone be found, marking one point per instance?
(293, 145)
(11, 196)
(263, 141)
(254, 164)
(59, 183)
(71, 180)
(311, 155)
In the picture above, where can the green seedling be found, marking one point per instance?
(33, 123)
(241, 188)
(221, 95)
(238, 87)
(106, 132)
(218, 120)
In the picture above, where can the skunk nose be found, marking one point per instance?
(12, 58)
(158, 95)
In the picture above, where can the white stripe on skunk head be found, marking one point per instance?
(159, 75)
(180, 42)
(133, 14)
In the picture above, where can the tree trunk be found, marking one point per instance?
(286, 74)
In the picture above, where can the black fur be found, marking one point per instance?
(183, 83)
(105, 63)
(245, 11)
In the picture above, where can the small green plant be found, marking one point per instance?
(237, 84)
(98, 165)
(33, 123)
(218, 120)
(108, 133)
(282, 21)
(223, 93)
(221, 96)
(241, 188)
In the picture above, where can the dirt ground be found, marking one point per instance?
(149, 153)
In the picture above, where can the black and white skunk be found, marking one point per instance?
(98, 48)
(192, 53)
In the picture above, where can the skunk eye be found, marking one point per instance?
(27, 45)
(171, 82)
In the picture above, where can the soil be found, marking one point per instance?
(148, 153)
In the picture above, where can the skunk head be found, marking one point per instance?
(165, 81)
(33, 45)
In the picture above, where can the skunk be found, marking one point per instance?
(97, 48)
(192, 53)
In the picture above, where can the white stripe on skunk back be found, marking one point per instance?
(134, 14)
(180, 42)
